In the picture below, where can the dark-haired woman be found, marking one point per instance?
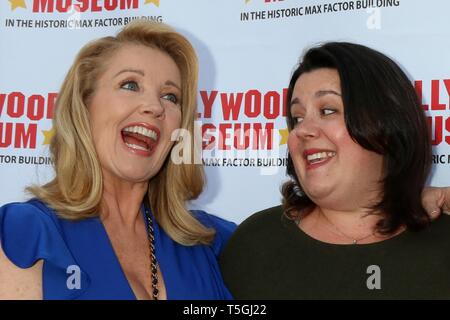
(359, 156)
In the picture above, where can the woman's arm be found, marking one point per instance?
(17, 283)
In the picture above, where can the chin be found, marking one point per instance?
(133, 175)
(317, 192)
(136, 179)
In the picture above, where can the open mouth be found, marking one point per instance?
(319, 157)
(140, 139)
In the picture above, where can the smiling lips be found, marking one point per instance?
(141, 138)
(315, 157)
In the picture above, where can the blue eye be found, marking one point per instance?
(171, 97)
(130, 85)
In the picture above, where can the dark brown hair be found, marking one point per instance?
(382, 114)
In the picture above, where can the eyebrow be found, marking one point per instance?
(318, 94)
(322, 93)
(295, 101)
(173, 84)
(142, 73)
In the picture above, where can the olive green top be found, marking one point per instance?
(269, 257)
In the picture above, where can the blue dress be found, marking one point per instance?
(32, 231)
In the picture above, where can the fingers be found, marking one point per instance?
(432, 201)
(433, 213)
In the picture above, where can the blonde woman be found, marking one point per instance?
(113, 224)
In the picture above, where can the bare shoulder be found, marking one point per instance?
(17, 283)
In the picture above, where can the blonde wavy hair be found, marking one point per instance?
(76, 191)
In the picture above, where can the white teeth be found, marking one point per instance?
(142, 131)
(135, 146)
(320, 156)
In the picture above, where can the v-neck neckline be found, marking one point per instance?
(116, 258)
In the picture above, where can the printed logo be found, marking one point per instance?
(50, 6)
(24, 124)
(240, 128)
(250, 105)
(280, 9)
(27, 111)
(77, 12)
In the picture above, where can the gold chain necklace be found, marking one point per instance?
(154, 262)
(353, 240)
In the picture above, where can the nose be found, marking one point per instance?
(151, 105)
(307, 129)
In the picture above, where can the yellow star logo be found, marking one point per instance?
(155, 2)
(17, 4)
(284, 133)
(48, 135)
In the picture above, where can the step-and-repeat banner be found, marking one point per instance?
(247, 51)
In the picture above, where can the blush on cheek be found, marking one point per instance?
(293, 141)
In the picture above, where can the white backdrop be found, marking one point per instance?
(247, 51)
